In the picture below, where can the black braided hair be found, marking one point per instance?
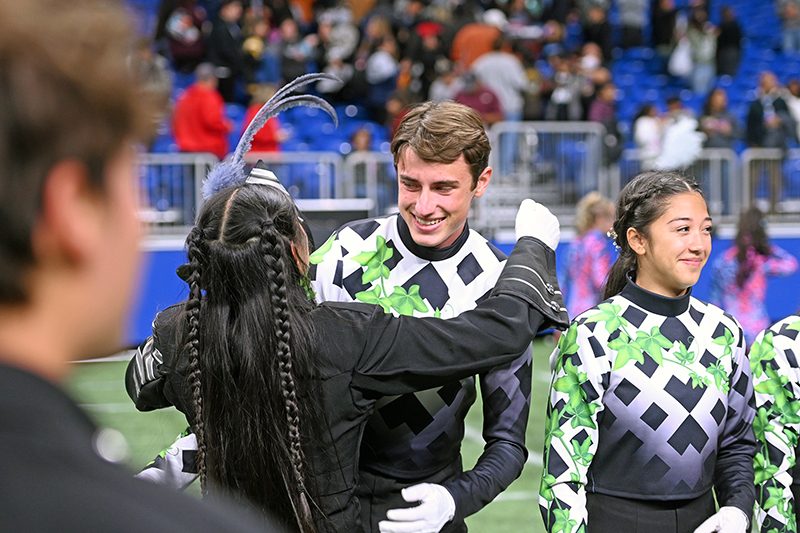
(192, 348)
(640, 203)
(253, 343)
(276, 262)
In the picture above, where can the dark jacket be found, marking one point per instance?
(366, 353)
(53, 477)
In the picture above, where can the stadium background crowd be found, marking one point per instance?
(391, 54)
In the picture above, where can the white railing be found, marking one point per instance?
(552, 162)
(170, 186)
(716, 169)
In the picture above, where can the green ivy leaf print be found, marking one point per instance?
(720, 376)
(406, 303)
(698, 380)
(781, 398)
(761, 424)
(653, 343)
(563, 522)
(725, 340)
(775, 498)
(373, 296)
(582, 414)
(374, 261)
(570, 384)
(788, 412)
(318, 255)
(552, 429)
(760, 352)
(626, 351)
(685, 356)
(545, 488)
(567, 345)
(763, 470)
(609, 313)
(581, 452)
(794, 325)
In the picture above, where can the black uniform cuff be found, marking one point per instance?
(530, 274)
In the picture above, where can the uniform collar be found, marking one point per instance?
(426, 252)
(656, 303)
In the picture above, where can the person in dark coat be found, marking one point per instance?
(225, 48)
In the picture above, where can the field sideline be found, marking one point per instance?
(100, 389)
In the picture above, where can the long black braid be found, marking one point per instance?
(277, 264)
(192, 347)
(640, 203)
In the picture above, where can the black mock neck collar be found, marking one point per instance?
(656, 303)
(426, 252)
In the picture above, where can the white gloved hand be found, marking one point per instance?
(436, 508)
(535, 220)
(168, 469)
(728, 519)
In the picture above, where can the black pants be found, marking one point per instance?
(609, 514)
(377, 494)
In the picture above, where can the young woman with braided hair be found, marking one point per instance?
(278, 389)
(650, 413)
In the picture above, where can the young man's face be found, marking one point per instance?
(434, 198)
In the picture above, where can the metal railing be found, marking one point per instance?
(170, 186)
(370, 175)
(716, 169)
(305, 174)
(553, 162)
(771, 180)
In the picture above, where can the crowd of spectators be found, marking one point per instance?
(517, 60)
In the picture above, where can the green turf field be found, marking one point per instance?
(99, 388)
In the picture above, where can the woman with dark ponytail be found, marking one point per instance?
(278, 389)
(650, 413)
(739, 280)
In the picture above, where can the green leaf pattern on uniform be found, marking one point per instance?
(570, 381)
(319, 254)
(775, 425)
(402, 301)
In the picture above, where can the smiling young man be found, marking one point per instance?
(426, 261)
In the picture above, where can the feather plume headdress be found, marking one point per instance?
(229, 173)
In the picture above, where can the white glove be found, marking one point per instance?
(535, 220)
(728, 519)
(167, 469)
(436, 508)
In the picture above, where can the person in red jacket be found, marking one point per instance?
(199, 122)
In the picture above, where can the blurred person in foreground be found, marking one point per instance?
(70, 115)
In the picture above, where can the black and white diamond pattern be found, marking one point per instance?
(412, 435)
(657, 427)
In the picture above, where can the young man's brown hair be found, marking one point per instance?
(66, 92)
(440, 132)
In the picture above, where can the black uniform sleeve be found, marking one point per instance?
(506, 393)
(145, 377)
(444, 350)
